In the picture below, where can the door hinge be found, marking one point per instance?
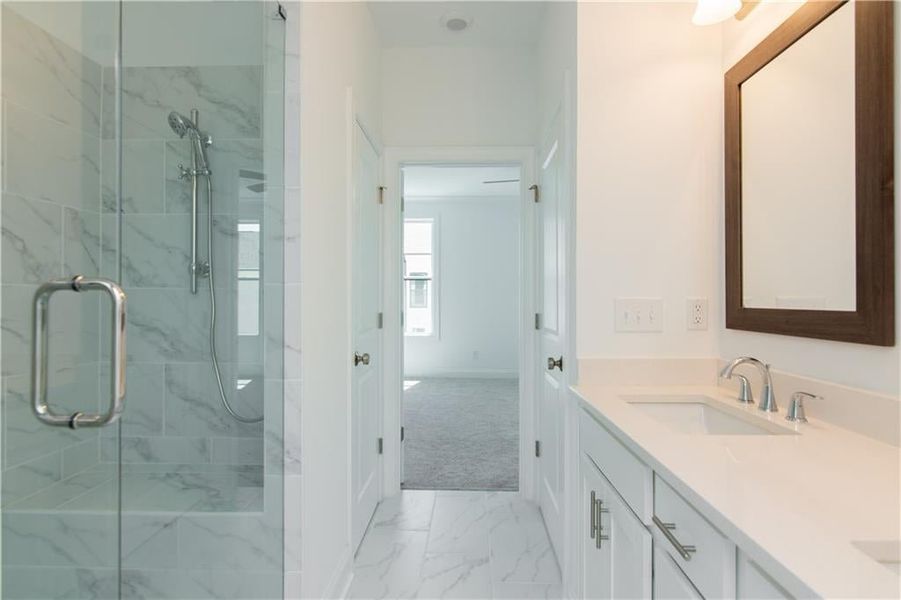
(401, 434)
(537, 449)
(381, 194)
(537, 321)
(381, 320)
(381, 446)
(536, 195)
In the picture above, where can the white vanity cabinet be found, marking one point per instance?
(755, 584)
(653, 542)
(670, 583)
(616, 548)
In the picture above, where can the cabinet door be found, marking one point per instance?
(755, 584)
(670, 583)
(616, 558)
(630, 546)
(596, 575)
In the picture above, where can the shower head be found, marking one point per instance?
(181, 124)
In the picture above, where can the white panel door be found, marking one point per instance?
(552, 302)
(366, 381)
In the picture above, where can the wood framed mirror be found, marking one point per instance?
(809, 177)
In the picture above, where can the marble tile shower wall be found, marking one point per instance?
(51, 223)
(174, 417)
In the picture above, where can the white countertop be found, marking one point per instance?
(792, 503)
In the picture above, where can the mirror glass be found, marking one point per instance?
(798, 174)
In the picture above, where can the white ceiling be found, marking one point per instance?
(494, 24)
(431, 182)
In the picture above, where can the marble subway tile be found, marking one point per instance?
(168, 325)
(145, 395)
(30, 477)
(194, 408)
(50, 77)
(528, 591)
(81, 456)
(157, 450)
(149, 541)
(82, 243)
(238, 179)
(231, 585)
(230, 542)
(292, 447)
(70, 389)
(32, 232)
(40, 583)
(228, 98)
(273, 426)
(62, 539)
(237, 451)
(143, 176)
(157, 251)
(46, 160)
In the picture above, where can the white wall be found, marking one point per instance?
(450, 96)
(648, 173)
(478, 289)
(856, 365)
(339, 49)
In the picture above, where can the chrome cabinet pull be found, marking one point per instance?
(361, 358)
(600, 510)
(554, 363)
(592, 516)
(39, 359)
(685, 551)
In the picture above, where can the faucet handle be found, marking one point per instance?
(745, 396)
(796, 407)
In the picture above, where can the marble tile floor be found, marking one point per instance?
(445, 544)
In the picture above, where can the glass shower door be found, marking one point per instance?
(60, 488)
(201, 254)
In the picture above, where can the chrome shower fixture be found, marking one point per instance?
(183, 126)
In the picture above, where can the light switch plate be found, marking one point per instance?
(638, 314)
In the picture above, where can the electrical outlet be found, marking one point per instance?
(638, 314)
(696, 313)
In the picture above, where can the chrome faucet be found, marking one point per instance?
(767, 396)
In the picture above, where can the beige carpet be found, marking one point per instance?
(461, 434)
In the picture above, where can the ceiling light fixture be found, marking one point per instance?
(456, 23)
(710, 12)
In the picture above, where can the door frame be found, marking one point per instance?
(393, 339)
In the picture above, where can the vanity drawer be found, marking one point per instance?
(632, 479)
(705, 555)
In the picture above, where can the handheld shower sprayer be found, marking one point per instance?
(183, 126)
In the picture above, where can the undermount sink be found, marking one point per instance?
(886, 552)
(700, 415)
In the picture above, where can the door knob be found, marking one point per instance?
(553, 363)
(361, 358)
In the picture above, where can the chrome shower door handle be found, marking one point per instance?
(39, 358)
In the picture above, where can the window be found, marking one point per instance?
(420, 314)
